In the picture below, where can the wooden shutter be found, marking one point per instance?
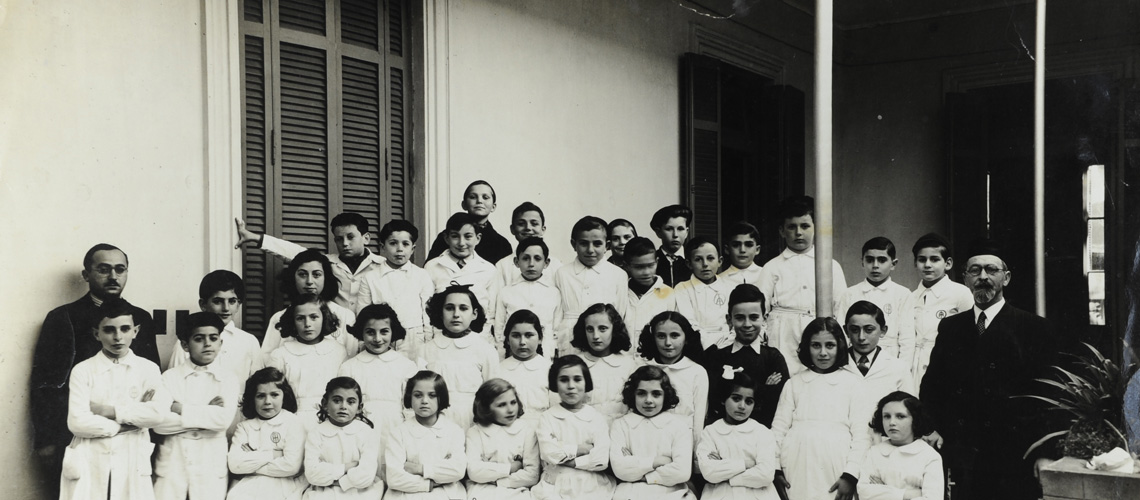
(700, 179)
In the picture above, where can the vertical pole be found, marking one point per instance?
(824, 229)
(1039, 159)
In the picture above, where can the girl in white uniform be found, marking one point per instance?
(308, 356)
(268, 447)
(600, 338)
(310, 272)
(526, 366)
(342, 452)
(820, 422)
(670, 342)
(651, 449)
(737, 454)
(425, 458)
(573, 439)
(464, 360)
(902, 466)
(502, 451)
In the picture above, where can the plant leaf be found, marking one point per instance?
(1042, 441)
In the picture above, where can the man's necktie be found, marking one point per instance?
(982, 323)
(863, 365)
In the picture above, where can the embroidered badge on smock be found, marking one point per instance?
(940, 314)
(275, 437)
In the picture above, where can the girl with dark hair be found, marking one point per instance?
(903, 466)
(602, 341)
(342, 452)
(310, 273)
(268, 447)
(670, 342)
(651, 448)
(464, 359)
(308, 356)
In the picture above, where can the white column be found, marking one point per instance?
(437, 122)
(1039, 159)
(824, 229)
(223, 133)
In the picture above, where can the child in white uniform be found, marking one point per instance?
(308, 356)
(527, 221)
(115, 396)
(788, 280)
(820, 423)
(533, 291)
(573, 439)
(401, 284)
(878, 263)
(463, 359)
(669, 342)
(601, 340)
(222, 293)
(589, 279)
(647, 292)
(703, 298)
(311, 273)
(502, 451)
(342, 452)
(461, 264)
(526, 366)
(426, 457)
(880, 373)
(651, 449)
(741, 244)
(191, 459)
(268, 448)
(737, 454)
(902, 466)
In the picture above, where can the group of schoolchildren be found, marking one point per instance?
(633, 372)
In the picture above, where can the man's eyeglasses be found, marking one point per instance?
(989, 269)
(106, 270)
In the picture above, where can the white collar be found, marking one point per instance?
(104, 362)
(536, 363)
(991, 312)
(913, 448)
(586, 414)
(329, 429)
(463, 342)
(754, 346)
(635, 420)
(681, 364)
(368, 261)
(939, 289)
(282, 417)
(723, 428)
(386, 267)
(296, 348)
(386, 356)
(810, 375)
(578, 267)
(491, 430)
(437, 430)
(789, 253)
(866, 286)
(614, 359)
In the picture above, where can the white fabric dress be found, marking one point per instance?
(464, 363)
(308, 368)
(666, 434)
(440, 449)
(329, 449)
(728, 477)
(691, 382)
(530, 379)
(609, 374)
(560, 431)
(890, 470)
(267, 475)
(490, 451)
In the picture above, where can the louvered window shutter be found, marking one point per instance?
(700, 180)
(319, 124)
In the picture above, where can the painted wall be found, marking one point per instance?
(101, 140)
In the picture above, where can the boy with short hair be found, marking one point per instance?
(671, 224)
(741, 244)
(647, 292)
(192, 459)
(527, 220)
(590, 279)
(702, 298)
(935, 298)
(350, 264)
(880, 374)
(402, 284)
(479, 200)
(462, 264)
(222, 293)
(115, 397)
(788, 280)
(878, 262)
(745, 351)
(533, 293)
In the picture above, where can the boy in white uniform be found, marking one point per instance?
(463, 265)
(534, 293)
(192, 459)
(878, 263)
(527, 221)
(703, 298)
(880, 374)
(741, 244)
(590, 279)
(788, 280)
(115, 397)
(221, 293)
(937, 297)
(350, 264)
(648, 293)
(405, 286)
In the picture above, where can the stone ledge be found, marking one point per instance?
(1068, 479)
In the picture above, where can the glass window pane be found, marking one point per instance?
(1094, 247)
(1094, 191)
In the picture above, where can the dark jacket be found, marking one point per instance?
(672, 272)
(758, 366)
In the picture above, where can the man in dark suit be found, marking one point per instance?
(66, 339)
(982, 358)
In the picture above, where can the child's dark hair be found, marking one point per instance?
(435, 307)
(621, 223)
(457, 220)
(343, 383)
(378, 311)
(349, 219)
(486, 395)
(663, 215)
(521, 316)
(329, 322)
(199, 320)
(829, 325)
(525, 207)
(795, 206)
(568, 361)
(439, 385)
(268, 375)
(647, 340)
(395, 225)
(647, 373)
(532, 241)
(619, 340)
(637, 247)
(721, 389)
(880, 243)
(868, 308)
(921, 424)
(221, 281)
(696, 242)
(935, 241)
(745, 293)
(481, 182)
(289, 283)
(741, 228)
(589, 223)
(115, 307)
